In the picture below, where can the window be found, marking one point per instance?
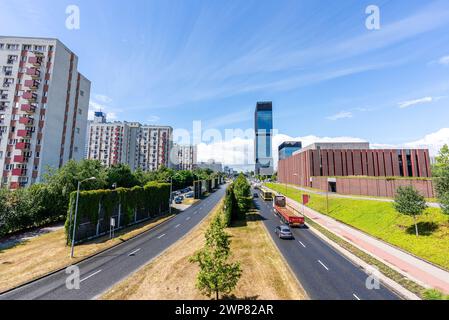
(80, 111)
(81, 93)
(14, 47)
(26, 47)
(39, 48)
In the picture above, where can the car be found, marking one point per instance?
(284, 232)
(190, 195)
(255, 195)
(178, 200)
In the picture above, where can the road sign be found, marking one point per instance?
(112, 222)
(305, 199)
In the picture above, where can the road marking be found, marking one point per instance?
(96, 272)
(323, 265)
(188, 218)
(177, 226)
(134, 252)
(162, 235)
(355, 296)
(195, 212)
(302, 244)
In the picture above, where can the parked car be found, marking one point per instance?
(283, 232)
(178, 200)
(190, 195)
(255, 195)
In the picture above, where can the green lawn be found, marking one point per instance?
(382, 221)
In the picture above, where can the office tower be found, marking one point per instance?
(263, 126)
(44, 103)
(287, 148)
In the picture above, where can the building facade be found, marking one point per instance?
(263, 126)
(349, 168)
(183, 157)
(44, 103)
(287, 148)
(139, 146)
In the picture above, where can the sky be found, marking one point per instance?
(330, 77)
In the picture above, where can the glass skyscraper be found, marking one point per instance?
(287, 149)
(263, 126)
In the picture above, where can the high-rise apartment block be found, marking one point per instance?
(184, 157)
(44, 103)
(140, 146)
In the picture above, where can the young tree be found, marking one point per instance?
(217, 275)
(442, 188)
(121, 176)
(408, 201)
(441, 161)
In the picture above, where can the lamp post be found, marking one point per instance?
(76, 213)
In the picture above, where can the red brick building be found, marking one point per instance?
(353, 168)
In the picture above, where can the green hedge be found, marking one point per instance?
(153, 199)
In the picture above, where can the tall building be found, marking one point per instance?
(183, 157)
(139, 146)
(263, 126)
(287, 148)
(44, 103)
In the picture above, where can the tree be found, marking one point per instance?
(121, 176)
(441, 161)
(242, 192)
(442, 188)
(216, 276)
(408, 201)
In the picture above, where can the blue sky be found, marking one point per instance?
(173, 62)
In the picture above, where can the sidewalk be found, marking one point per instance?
(344, 196)
(418, 270)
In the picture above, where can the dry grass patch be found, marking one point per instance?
(44, 254)
(172, 277)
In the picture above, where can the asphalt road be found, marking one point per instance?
(323, 272)
(101, 272)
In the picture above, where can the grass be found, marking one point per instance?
(172, 277)
(41, 255)
(381, 220)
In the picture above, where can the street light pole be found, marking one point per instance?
(76, 213)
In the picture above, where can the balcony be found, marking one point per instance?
(24, 133)
(28, 108)
(34, 73)
(30, 96)
(24, 146)
(21, 159)
(18, 172)
(36, 61)
(32, 84)
(4, 96)
(26, 121)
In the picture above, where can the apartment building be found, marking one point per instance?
(139, 146)
(44, 103)
(183, 157)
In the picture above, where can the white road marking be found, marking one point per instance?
(355, 296)
(195, 212)
(188, 218)
(162, 235)
(323, 265)
(96, 272)
(302, 244)
(177, 226)
(134, 252)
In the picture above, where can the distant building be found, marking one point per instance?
(139, 146)
(44, 102)
(212, 165)
(287, 148)
(354, 168)
(99, 117)
(263, 126)
(183, 157)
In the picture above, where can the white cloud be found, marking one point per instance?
(341, 115)
(153, 119)
(444, 60)
(239, 152)
(409, 103)
(103, 98)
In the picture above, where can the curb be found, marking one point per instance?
(367, 268)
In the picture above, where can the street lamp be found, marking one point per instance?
(76, 212)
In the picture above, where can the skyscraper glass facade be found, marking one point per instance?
(263, 125)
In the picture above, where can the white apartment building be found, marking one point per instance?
(139, 146)
(44, 103)
(183, 157)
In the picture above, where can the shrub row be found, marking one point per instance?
(96, 205)
(237, 200)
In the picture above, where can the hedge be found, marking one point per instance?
(96, 207)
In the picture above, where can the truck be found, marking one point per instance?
(287, 215)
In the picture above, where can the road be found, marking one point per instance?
(323, 272)
(102, 271)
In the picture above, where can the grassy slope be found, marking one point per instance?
(382, 221)
(171, 275)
